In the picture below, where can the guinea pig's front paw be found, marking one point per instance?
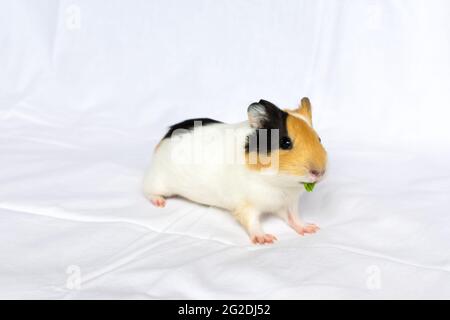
(306, 229)
(263, 238)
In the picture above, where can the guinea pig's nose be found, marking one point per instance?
(316, 173)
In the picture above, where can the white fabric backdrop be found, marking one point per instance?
(88, 87)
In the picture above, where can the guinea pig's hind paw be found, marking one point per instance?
(158, 201)
(263, 239)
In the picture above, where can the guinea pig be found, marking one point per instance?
(250, 168)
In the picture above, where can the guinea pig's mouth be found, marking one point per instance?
(310, 180)
(307, 183)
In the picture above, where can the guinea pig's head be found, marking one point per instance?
(284, 142)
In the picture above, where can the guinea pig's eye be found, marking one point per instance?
(286, 143)
(320, 140)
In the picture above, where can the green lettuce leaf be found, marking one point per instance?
(309, 186)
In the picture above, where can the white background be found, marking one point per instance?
(87, 88)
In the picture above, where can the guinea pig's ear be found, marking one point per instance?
(261, 112)
(305, 109)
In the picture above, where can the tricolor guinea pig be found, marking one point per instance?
(250, 168)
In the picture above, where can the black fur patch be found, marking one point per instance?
(261, 139)
(189, 125)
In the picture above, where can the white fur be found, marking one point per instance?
(206, 165)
